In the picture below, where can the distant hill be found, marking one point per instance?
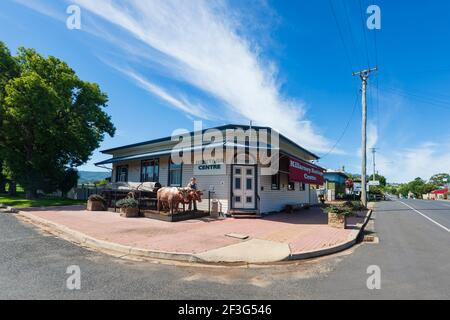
(91, 176)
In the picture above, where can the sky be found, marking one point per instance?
(284, 64)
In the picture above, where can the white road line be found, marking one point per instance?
(426, 217)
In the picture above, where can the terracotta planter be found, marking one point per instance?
(129, 212)
(93, 205)
(337, 220)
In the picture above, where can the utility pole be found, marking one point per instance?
(374, 150)
(364, 75)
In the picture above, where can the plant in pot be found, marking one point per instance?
(337, 216)
(129, 207)
(96, 203)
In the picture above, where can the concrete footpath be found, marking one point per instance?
(276, 238)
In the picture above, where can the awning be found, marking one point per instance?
(300, 171)
(167, 152)
(441, 191)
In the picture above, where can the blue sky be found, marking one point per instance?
(278, 63)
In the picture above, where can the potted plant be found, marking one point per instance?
(337, 217)
(96, 203)
(129, 207)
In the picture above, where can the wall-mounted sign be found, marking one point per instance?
(306, 173)
(210, 169)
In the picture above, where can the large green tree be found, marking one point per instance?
(440, 179)
(52, 121)
(8, 70)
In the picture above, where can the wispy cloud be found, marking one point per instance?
(199, 44)
(422, 161)
(179, 103)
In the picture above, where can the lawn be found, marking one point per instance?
(20, 202)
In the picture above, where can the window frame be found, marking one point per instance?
(170, 174)
(277, 187)
(118, 172)
(156, 164)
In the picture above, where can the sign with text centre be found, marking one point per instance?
(305, 173)
(209, 168)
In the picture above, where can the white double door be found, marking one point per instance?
(244, 187)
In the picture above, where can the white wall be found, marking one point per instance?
(276, 200)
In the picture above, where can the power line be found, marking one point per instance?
(341, 35)
(364, 32)
(345, 128)
(349, 24)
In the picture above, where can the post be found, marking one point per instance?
(364, 75)
(364, 142)
(374, 150)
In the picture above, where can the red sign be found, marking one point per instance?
(306, 173)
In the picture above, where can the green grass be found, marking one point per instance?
(20, 202)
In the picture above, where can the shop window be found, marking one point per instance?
(291, 186)
(275, 182)
(175, 174)
(150, 171)
(122, 174)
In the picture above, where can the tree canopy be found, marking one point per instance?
(51, 121)
(440, 179)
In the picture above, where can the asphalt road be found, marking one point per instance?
(413, 255)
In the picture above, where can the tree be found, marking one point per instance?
(440, 179)
(68, 180)
(8, 70)
(379, 178)
(52, 121)
(418, 187)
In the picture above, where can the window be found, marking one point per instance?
(275, 184)
(175, 173)
(249, 185)
(249, 199)
(150, 171)
(302, 187)
(291, 186)
(122, 174)
(237, 183)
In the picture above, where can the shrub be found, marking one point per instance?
(353, 206)
(127, 203)
(96, 197)
(341, 211)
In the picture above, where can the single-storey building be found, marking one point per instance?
(239, 185)
(335, 184)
